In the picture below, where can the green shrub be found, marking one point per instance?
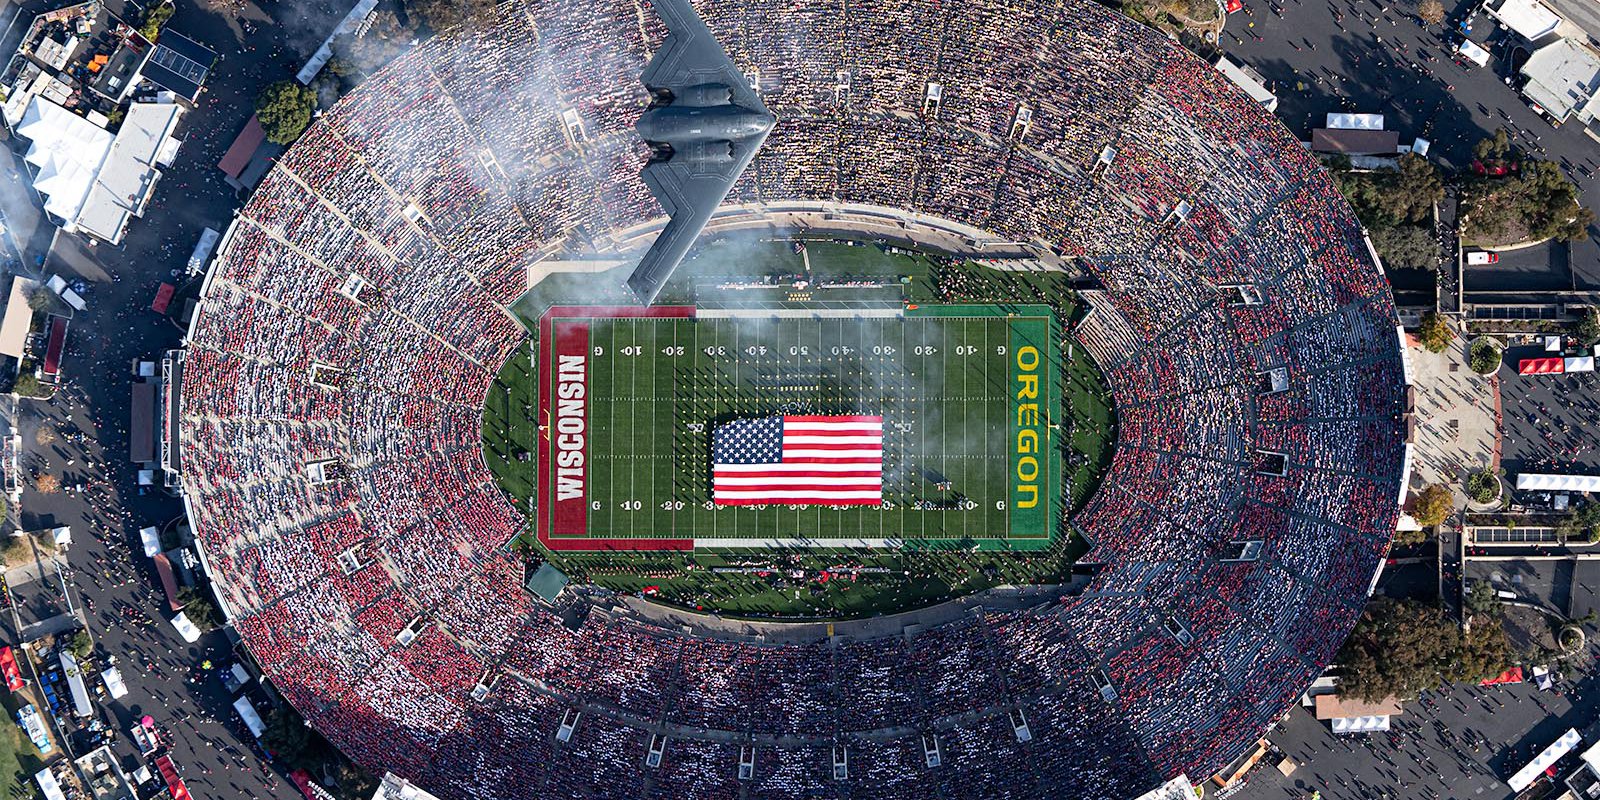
(1483, 487)
(1484, 357)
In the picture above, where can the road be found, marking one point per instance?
(1372, 57)
(108, 569)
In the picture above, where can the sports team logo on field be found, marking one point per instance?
(798, 460)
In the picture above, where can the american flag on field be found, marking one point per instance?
(798, 460)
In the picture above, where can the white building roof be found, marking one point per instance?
(1250, 81)
(1592, 758)
(1562, 78)
(18, 318)
(1537, 482)
(395, 787)
(129, 174)
(1178, 788)
(1530, 19)
(67, 151)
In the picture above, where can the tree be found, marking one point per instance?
(1402, 647)
(155, 18)
(47, 484)
(439, 15)
(1388, 197)
(1482, 602)
(1433, 505)
(284, 109)
(16, 550)
(1587, 329)
(1410, 538)
(1484, 652)
(45, 436)
(1431, 11)
(1406, 247)
(27, 384)
(1539, 203)
(1494, 148)
(198, 607)
(1483, 486)
(388, 36)
(81, 645)
(288, 737)
(1434, 333)
(1483, 357)
(1583, 522)
(1415, 188)
(40, 299)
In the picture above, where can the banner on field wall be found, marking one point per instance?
(569, 429)
(1028, 499)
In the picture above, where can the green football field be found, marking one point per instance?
(791, 582)
(946, 380)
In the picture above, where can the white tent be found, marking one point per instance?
(1528, 774)
(67, 151)
(186, 629)
(1580, 364)
(18, 318)
(49, 785)
(1360, 724)
(1359, 122)
(114, 683)
(247, 712)
(1539, 482)
(1472, 52)
(152, 541)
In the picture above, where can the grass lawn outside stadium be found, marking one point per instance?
(977, 486)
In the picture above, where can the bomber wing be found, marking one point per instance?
(690, 191)
(692, 56)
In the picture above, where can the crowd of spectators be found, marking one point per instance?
(386, 245)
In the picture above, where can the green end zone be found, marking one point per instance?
(627, 399)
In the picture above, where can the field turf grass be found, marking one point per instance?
(789, 582)
(658, 387)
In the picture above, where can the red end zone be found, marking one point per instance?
(563, 497)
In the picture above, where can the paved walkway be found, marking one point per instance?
(1455, 417)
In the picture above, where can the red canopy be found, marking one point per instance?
(169, 773)
(239, 153)
(163, 298)
(1541, 366)
(168, 582)
(8, 665)
(1235, 5)
(1513, 675)
(52, 351)
(302, 780)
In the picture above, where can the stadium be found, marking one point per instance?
(363, 478)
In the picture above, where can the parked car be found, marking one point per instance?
(1480, 258)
